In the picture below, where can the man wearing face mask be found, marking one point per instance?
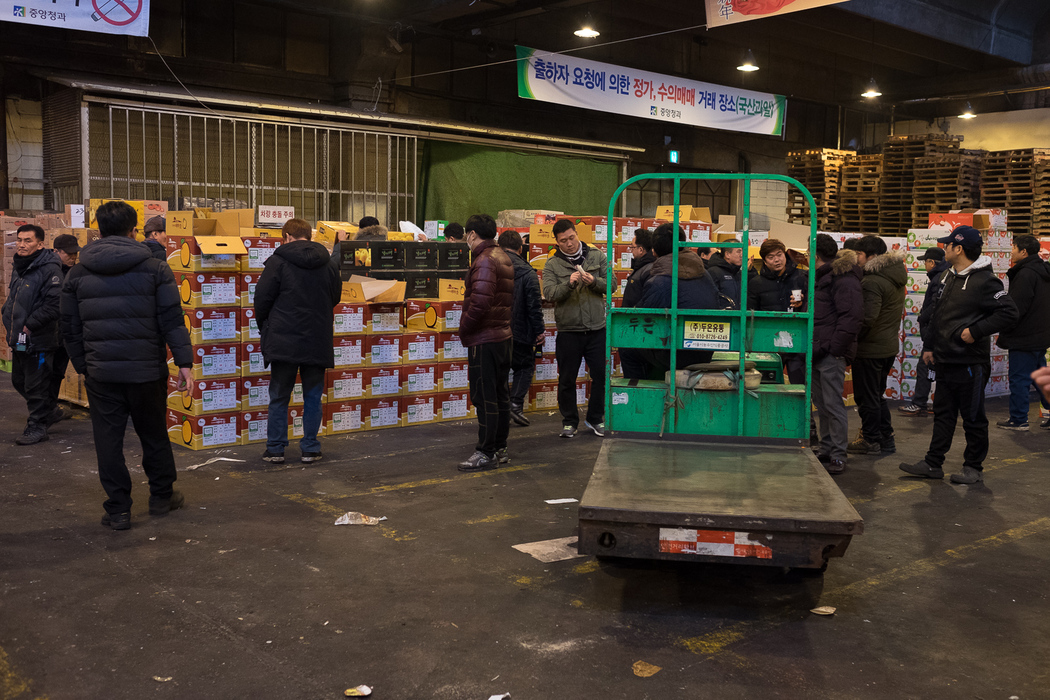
(31, 317)
(484, 329)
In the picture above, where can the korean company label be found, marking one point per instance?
(297, 426)
(219, 293)
(219, 329)
(386, 385)
(386, 322)
(251, 293)
(452, 317)
(706, 335)
(418, 352)
(421, 382)
(456, 408)
(348, 388)
(546, 372)
(219, 399)
(257, 257)
(715, 543)
(421, 413)
(221, 434)
(347, 420)
(384, 415)
(220, 363)
(454, 350)
(258, 396)
(350, 322)
(347, 355)
(256, 364)
(547, 399)
(625, 261)
(601, 233)
(256, 430)
(385, 354)
(550, 343)
(454, 379)
(297, 393)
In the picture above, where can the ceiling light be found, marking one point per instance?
(749, 65)
(968, 114)
(872, 91)
(587, 31)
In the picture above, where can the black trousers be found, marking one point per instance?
(31, 377)
(488, 365)
(570, 349)
(523, 364)
(110, 405)
(869, 391)
(960, 392)
(58, 372)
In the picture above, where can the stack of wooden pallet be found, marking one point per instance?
(859, 194)
(899, 154)
(1015, 181)
(817, 169)
(945, 182)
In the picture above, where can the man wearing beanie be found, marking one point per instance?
(973, 306)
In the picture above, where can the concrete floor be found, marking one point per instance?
(251, 592)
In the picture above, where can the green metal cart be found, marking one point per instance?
(713, 476)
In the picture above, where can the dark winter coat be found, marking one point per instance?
(974, 299)
(696, 289)
(640, 272)
(929, 300)
(294, 298)
(157, 250)
(526, 316)
(726, 277)
(488, 296)
(579, 308)
(768, 291)
(120, 307)
(838, 307)
(32, 302)
(1030, 291)
(884, 285)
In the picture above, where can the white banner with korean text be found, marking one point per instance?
(129, 17)
(577, 82)
(723, 12)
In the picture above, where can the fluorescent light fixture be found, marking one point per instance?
(872, 91)
(749, 65)
(587, 31)
(968, 114)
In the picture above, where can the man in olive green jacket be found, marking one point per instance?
(878, 344)
(574, 280)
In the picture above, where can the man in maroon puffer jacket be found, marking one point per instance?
(484, 329)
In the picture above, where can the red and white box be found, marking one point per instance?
(454, 405)
(419, 378)
(349, 319)
(382, 350)
(384, 318)
(452, 376)
(450, 348)
(381, 381)
(344, 384)
(252, 362)
(419, 346)
(343, 416)
(259, 251)
(255, 392)
(349, 351)
(206, 396)
(253, 426)
(246, 286)
(214, 325)
(418, 410)
(249, 328)
(381, 413)
(212, 360)
(199, 289)
(544, 396)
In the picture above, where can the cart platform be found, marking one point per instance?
(718, 503)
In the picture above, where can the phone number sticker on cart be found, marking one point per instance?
(706, 335)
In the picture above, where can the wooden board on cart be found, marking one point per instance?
(743, 504)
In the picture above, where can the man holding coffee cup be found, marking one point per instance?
(780, 286)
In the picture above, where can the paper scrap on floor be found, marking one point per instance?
(548, 551)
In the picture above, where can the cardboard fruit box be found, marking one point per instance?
(433, 314)
(381, 413)
(211, 361)
(454, 405)
(419, 378)
(344, 384)
(255, 392)
(204, 432)
(350, 351)
(252, 362)
(381, 381)
(349, 319)
(259, 251)
(452, 376)
(206, 396)
(200, 289)
(246, 284)
(214, 325)
(418, 410)
(254, 426)
(343, 417)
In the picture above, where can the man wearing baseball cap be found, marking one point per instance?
(156, 233)
(936, 266)
(973, 306)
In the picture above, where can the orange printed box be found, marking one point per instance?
(433, 314)
(206, 396)
(214, 325)
(199, 289)
(259, 251)
(252, 362)
(203, 432)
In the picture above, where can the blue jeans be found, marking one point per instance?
(282, 381)
(1022, 364)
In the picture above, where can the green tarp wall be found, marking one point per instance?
(459, 180)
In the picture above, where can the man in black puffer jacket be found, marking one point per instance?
(642, 258)
(526, 324)
(936, 266)
(772, 290)
(973, 306)
(294, 299)
(120, 307)
(31, 317)
(724, 268)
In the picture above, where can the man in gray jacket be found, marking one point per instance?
(574, 280)
(31, 317)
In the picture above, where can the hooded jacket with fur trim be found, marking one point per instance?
(975, 299)
(884, 290)
(838, 309)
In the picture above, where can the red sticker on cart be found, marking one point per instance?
(712, 543)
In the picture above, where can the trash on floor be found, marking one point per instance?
(161, 680)
(823, 610)
(361, 691)
(213, 459)
(644, 670)
(504, 696)
(352, 518)
(548, 551)
(557, 501)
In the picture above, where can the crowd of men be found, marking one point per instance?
(113, 311)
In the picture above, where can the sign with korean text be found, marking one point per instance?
(706, 335)
(129, 17)
(723, 12)
(271, 214)
(604, 87)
